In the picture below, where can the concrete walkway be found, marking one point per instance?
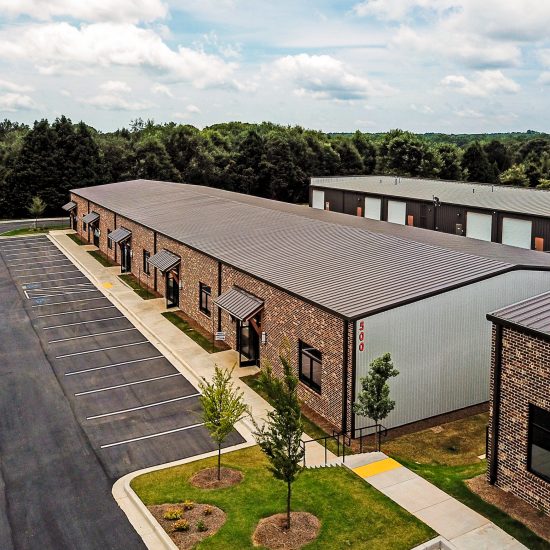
(462, 528)
(187, 356)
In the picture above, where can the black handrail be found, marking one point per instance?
(378, 429)
(336, 436)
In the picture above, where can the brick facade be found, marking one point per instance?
(525, 380)
(284, 317)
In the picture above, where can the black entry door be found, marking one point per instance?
(125, 258)
(73, 222)
(172, 289)
(249, 344)
(96, 236)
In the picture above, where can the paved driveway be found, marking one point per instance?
(85, 398)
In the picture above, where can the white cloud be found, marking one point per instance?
(57, 48)
(190, 111)
(468, 113)
(483, 83)
(544, 56)
(14, 87)
(397, 9)
(115, 86)
(113, 102)
(325, 77)
(130, 11)
(16, 102)
(423, 109)
(161, 89)
(544, 78)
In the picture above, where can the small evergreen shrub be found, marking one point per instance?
(173, 513)
(188, 505)
(181, 525)
(201, 526)
(207, 511)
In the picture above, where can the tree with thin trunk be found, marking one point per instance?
(280, 438)
(223, 406)
(36, 209)
(374, 400)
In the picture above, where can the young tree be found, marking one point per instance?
(515, 176)
(36, 209)
(374, 400)
(223, 406)
(280, 438)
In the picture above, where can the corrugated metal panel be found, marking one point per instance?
(239, 303)
(69, 206)
(533, 314)
(91, 217)
(441, 346)
(477, 195)
(346, 264)
(119, 235)
(164, 260)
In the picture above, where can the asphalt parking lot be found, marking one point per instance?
(136, 409)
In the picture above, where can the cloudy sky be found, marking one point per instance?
(423, 65)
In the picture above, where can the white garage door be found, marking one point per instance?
(396, 212)
(373, 207)
(478, 226)
(318, 199)
(516, 232)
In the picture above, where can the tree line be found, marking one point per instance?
(267, 160)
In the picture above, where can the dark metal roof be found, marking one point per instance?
(532, 314)
(69, 206)
(535, 202)
(164, 260)
(119, 235)
(91, 217)
(239, 303)
(348, 265)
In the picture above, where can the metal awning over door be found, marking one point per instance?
(240, 304)
(120, 235)
(90, 218)
(164, 260)
(69, 206)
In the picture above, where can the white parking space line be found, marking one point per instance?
(33, 255)
(159, 434)
(132, 409)
(54, 273)
(114, 365)
(54, 280)
(55, 294)
(71, 301)
(77, 311)
(71, 286)
(102, 349)
(35, 268)
(128, 384)
(39, 263)
(91, 335)
(32, 247)
(83, 322)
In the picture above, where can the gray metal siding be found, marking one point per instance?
(442, 345)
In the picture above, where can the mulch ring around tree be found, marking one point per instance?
(208, 478)
(271, 532)
(212, 519)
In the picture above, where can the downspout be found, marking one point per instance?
(345, 377)
(493, 466)
(154, 268)
(353, 376)
(219, 292)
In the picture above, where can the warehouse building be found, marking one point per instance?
(509, 215)
(519, 450)
(341, 290)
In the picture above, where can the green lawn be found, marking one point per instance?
(141, 291)
(352, 513)
(31, 231)
(447, 458)
(76, 238)
(101, 258)
(204, 342)
(313, 430)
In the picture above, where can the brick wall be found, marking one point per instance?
(284, 316)
(525, 379)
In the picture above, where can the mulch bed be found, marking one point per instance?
(208, 478)
(512, 505)
(271, 532)
(187, 539)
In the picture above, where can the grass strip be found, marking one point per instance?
(140, 290)
(204, 342)
(101, 258)
(353, 514)
(31, 231)
(77, 239)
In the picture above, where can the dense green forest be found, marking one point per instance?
(265, 159)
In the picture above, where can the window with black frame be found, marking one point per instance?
(205, 297)
(109, 242)
(310, 366)
(539, 442)
(84, 226)
(146, 268)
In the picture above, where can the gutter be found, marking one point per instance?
(495, 416)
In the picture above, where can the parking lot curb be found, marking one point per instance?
(152, 534)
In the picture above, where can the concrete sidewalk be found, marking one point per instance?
(463, 528)
(187, 356)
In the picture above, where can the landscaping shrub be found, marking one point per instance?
(181, 525)
(207, 511)
(201, 526)
(188, 505)
(173, 514)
